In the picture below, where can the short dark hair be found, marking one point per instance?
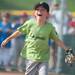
(6, 14)
(43, 4)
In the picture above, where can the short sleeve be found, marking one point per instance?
(53, 34)
(25, 27)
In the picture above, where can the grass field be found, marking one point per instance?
(28, 4)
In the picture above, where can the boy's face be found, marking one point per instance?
(41, 13)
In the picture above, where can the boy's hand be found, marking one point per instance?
(4, 43)
(69, 58)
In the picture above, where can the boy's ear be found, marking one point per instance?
(48, 15)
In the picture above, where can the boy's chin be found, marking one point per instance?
(39, 17)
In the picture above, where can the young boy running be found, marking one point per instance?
(38, 31)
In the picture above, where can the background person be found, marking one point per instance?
(5, 31)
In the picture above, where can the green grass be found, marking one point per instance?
(18, 4)
(28, 4)
(71, 5)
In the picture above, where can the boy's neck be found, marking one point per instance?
(40, 22)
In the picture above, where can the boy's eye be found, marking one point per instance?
(37, 9)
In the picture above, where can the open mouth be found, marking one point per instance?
(39, 14)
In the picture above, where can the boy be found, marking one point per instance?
(36, 50)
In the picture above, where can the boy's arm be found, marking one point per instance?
(14, 35)
(61, 44)
(70, 56)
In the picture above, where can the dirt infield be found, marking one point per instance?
(11, 73)
(17, 73)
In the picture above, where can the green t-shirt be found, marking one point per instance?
(36, 43)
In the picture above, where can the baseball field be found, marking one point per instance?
(18, 73)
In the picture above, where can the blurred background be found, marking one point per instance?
(13, 13)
